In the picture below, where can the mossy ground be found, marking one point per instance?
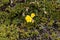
(13, 25)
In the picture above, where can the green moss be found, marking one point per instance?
(12, 19)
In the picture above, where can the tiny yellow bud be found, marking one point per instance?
(33, 15)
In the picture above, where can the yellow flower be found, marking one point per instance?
(33, 15)
(28, 18)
